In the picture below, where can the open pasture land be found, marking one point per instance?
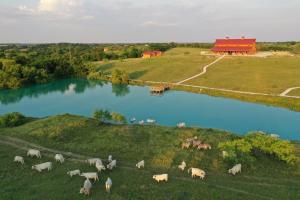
(271, 75)
(267, 178)
(175, 65)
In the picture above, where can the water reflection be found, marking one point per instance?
(67, 87)
(120, 90)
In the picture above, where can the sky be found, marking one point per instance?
(113, 21)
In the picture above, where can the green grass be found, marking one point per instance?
(295, 92)
(270, 75)
(173, 66)
(160, 147)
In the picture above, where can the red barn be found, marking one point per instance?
(235, 46)
(149, 54)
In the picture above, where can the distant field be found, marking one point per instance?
(159, 146)
(265, 75)
(173, 66)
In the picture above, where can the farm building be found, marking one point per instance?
(149, 54)
(235, 46)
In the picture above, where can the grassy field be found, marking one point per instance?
(175, 65)
(159, 146)
(270, 75)
(295, 92)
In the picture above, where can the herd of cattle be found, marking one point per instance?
(112, 163)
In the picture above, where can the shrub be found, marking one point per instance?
(242, 150)
(12, 119)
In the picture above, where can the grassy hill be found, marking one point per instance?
(159, 146)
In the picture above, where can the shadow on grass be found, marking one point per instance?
(105, 67)
(137, 74)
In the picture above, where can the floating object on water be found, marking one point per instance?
(151, 121)
(181, 125)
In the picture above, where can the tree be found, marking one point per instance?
(102, 115)
(12, 119)
(118, 117)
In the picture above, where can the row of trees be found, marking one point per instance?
(246, 149)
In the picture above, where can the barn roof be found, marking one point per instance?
(235, 41)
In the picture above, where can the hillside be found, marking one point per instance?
(160, 147)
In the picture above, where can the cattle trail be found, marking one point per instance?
(24, 145)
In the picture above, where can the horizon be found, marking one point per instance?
(145, 21)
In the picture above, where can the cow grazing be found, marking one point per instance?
(90, 175)
(109, 158)
(92, 161)
(140, 164)
(59, 158)
(196, 143)
(19, 159)
(34, 152)
(235, 169)
(185, 145)
(197, 172)
(42, 166)
(204, 146)
(112, 165)
(86, 189)
(182, 166)
(100, 166)
(108, 184)
(73, 173)
(160, 177)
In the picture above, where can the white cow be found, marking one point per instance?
(182, 166)
(140, 164)
(74, 172)
(112, 164)
(197, 172)
(19, 159)
(92, 161)
(109, 158)
(86, 189)
(108, 184)
(99, 166)
(90, 175)
(42, 166)
(34, 152)
(59, 158)
(141, 122)
(235, 169)
(160, 177)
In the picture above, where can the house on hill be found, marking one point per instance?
(150, 54)
(235, 46)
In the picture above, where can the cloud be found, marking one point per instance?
(57, 9)
(158, 24)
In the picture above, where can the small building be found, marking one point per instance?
(106, 49)
(235, 46)
(150, 54)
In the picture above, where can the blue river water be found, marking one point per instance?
(83, 97)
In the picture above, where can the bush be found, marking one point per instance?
(243, 150)
(12, 119)
(119, 77)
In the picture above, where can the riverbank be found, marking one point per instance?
(160, 147)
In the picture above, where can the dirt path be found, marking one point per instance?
(203, 71)
(285, 93)
(24, 145)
